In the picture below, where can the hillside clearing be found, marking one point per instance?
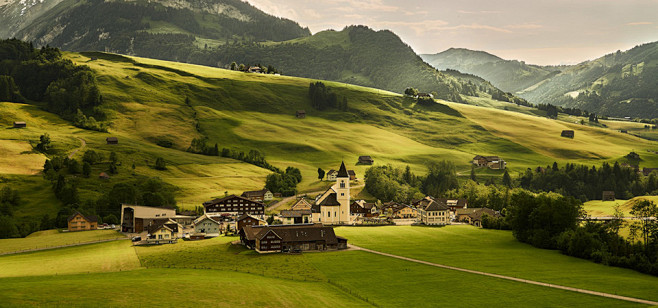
(53, 238)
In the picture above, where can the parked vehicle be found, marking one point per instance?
(137, 239)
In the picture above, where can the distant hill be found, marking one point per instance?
(508, 75)
(219, 32)
(618, 84)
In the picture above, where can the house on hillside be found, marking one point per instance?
(473, 216)
(433, 212)
(608, 196)
(249, 220)
(568, 133)
(112, 140)
(425, 96)
(254, 69)
(352, 175)
(284, 238)
(301, 114)
(258, 195)
(365, 160)
(79, 222)
(163, 231)
(290, 217)
(20, 124)
(331, 175)
(233, 205)
(491, 162)
(208, 225)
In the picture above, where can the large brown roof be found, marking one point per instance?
(330, 200)
(293, 233)
(156, 224)
(90, 218)
(251, 193)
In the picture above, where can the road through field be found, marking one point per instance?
(549, 285)
(83, 144)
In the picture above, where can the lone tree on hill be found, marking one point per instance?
(160, 164)
(320, 174)
(507, 180)
(411, 91)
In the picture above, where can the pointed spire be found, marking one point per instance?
(342, 172)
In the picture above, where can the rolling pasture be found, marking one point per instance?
(53, 238)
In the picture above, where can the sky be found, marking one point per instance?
(545, 32)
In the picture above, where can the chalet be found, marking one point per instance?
(331, 175)
(112, 140)
(290, 217)
(161, 231)
(258, 195)
(301, 204)
(454, 204)
(567, 134)
(136, 218)
(433, 212)
(398, 210)
(365, 160)
(479, 161)
(473, 216)
(79, 222)
(608, 196)
(647, 171)
(300, 114)
(305, 237)
(20, 124)
(233, 205)
(210, 226)
(492, 162)
(254, 69)
(425, 96)
(248, 220)
(352, 175)
(104, 176)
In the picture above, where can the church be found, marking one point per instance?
(333, 206)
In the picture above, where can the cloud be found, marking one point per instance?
(367, 5)
(639, 23)
(524, 26)
(478, 12)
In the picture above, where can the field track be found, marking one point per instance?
(543, 284)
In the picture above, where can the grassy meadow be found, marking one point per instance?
(597, 208)
(52, 238)
(495, 251)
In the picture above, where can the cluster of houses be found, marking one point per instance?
(491, 162)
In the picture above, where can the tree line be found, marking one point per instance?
(390, 183)
(284, 182)
(323, 98)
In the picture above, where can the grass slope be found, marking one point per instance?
(597, 208)
(498, 252)
(52, 238)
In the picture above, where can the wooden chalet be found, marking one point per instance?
(473, 216)
(365, 160)
(254, 69)
(283, 238)
(20, 124)
(398, 210)
(248, 220)
(290, 217)
(352, 175)
(332, 174)
(112, 140)
(425, 96)
(301, 204)
(491, 162)
(79, 222)
(258, 195)
(608, 196)
(568, 133)
(163, 230)
(300, 114)
(233, 205)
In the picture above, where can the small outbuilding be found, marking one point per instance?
(20, 124)
(608, 196)
(568, 134)
(365, 160)
(104, 176)
(112, 140)
(300, 114)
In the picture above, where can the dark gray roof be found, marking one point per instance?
(342, 172)
(294, 213)
(330, 200)
(293, 233)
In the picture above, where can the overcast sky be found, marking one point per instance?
(535, 31)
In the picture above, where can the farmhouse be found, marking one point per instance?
(398, 210)
(20, 124)
(248, 220)
(135, 218)
(290, 217)
(258, 195)
(567, 134)
(79, 222)
(163, 231)
(234, 205)
(112, 140)
(331, 175)
(365, 160)
(608, 196)
(333, 206)
(433, 212)
(208, 225)
(473, 216)
(492, 162)
(285, 238)
(301, 204)
(300, 114)
(254, 69)
(352, 175)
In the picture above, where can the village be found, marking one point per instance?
(307, 225)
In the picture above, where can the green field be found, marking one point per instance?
(498, 252)
(597, 208)
(214, 272)
(52, 238)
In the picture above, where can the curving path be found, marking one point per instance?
(82, 146)
(543, 284)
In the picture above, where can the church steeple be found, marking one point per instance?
(342, 172)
